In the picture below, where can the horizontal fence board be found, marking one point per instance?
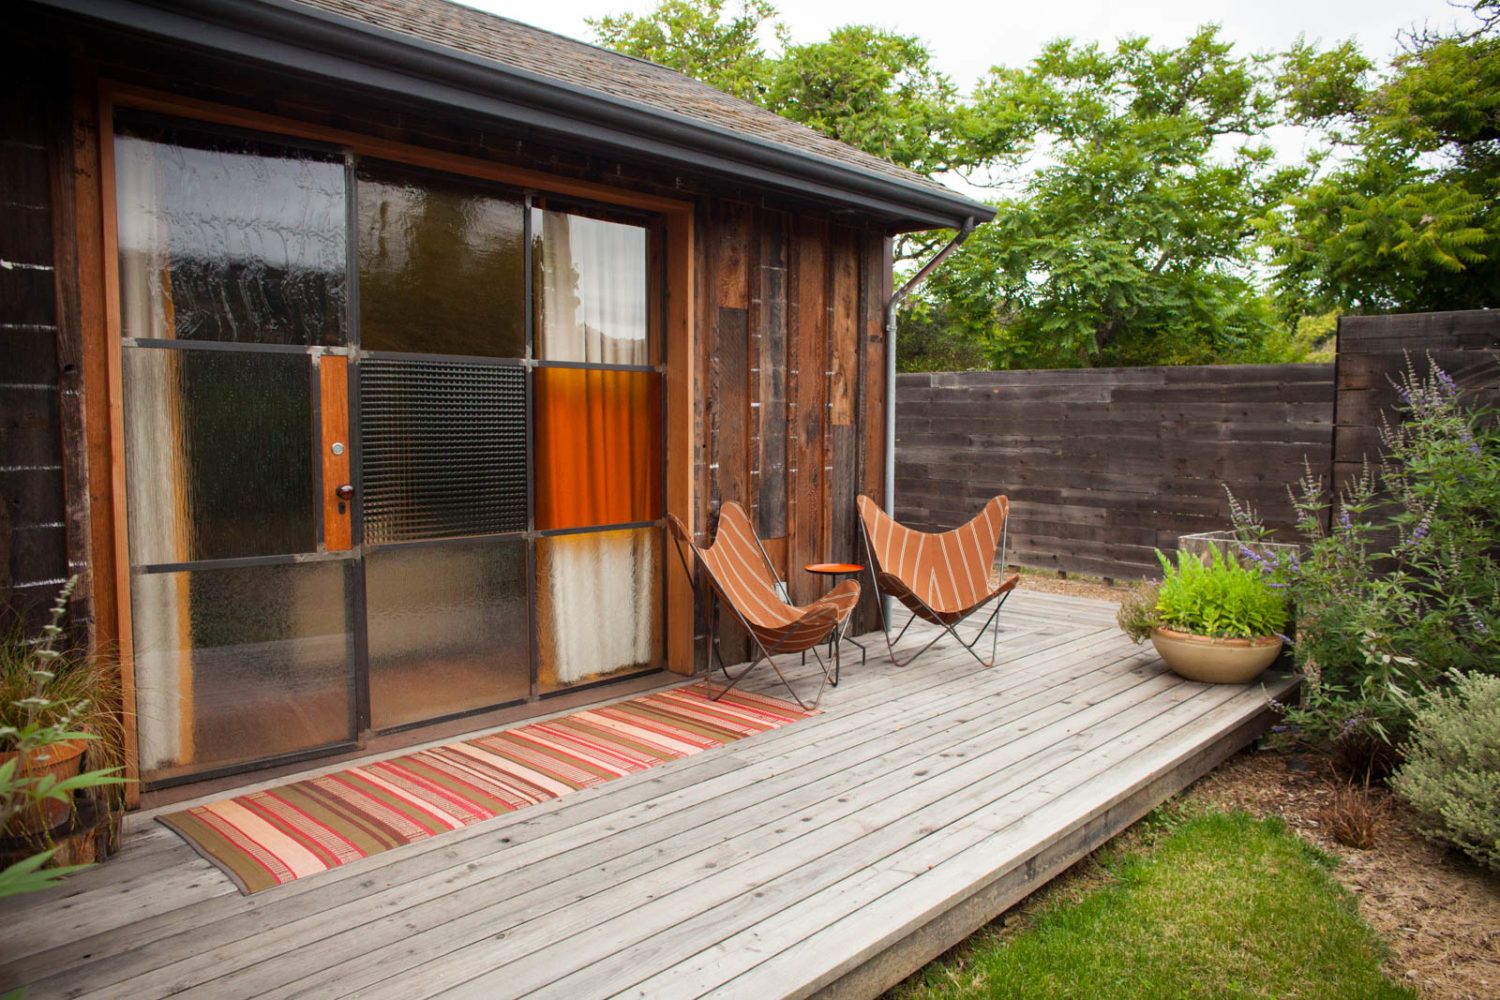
(1105, 466)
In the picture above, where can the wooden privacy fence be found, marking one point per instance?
(1104, 466)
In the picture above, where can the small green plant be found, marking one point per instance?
(1218, 598)
(1452, 772)
(1138, 614)
(48, 696)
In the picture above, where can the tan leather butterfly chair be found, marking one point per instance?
(742, 576)
(943, 578)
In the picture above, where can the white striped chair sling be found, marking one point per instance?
(942, 577)
(742, 577)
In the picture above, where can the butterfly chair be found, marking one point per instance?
(942, 578)
(741, 575)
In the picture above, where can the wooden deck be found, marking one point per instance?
(830, 857)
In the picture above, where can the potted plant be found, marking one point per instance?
(55, 711)
(1214, 620)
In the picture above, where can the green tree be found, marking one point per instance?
(1409, 218)
(1129, 239)
(695, 38)
(876, 91)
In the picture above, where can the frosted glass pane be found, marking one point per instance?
(444, 449)
(448, 629)
(234, 665)
(590, 289)
(441, 266)
(598, 447)
(218, 454)
(228, 239)
(598, 605)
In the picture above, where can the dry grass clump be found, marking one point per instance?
(1354, 817)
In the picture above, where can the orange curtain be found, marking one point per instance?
(598, 447)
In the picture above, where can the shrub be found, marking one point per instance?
(1452, 772)
(1218, 598)
(1398, 582)
(1137, 615)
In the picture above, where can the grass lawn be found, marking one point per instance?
(1224, 906)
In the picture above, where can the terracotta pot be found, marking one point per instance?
(1214, 660)
(61, 760)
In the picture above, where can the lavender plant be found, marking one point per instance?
(1398, 583)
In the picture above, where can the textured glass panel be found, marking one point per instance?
(441, 267)
(590, 289)
(218, 454)
(598, 447)
(228, 239)
(598, 605)
(234, 665)
(449, 630)
(443, 449)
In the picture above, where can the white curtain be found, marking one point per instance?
(598, 610)
(593, 291)
(154, 477)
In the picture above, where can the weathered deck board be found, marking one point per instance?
(834, 854)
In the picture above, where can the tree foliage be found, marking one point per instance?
(1128, 242)
(1143, 217)
(694, 37)
(1409, 220)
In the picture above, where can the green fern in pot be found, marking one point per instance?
(1214, 621)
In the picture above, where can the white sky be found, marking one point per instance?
(967, 38)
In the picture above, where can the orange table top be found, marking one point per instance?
(834, 568)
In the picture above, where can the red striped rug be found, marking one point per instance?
(266, 838)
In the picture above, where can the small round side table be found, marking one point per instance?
(833, 571)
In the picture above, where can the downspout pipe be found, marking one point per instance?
(897, 297)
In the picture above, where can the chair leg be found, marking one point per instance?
(990, 623)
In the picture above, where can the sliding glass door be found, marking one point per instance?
(393, 445)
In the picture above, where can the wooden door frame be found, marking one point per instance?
(94, 198)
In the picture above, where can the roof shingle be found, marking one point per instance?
(545, 54)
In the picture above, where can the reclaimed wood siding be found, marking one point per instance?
(795, 375)
(1104, 466)
(1374, 350)
(33, 535)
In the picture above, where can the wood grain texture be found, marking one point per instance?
(810, 503)
(1104, 466)
(771, 364)
(836, 852)
(333, 407)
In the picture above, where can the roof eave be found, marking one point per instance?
(316, 43)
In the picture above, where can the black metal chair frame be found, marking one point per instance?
(715, 596)
(950, 629)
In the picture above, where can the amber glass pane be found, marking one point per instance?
(233, 665)
(598, 447)
(441, 266)
(590, 289)
(448, 629)
(228, 239)
(218, 454)
(598, 605)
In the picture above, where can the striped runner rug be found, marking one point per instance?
(270, 837)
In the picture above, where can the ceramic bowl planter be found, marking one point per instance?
(1214, 660)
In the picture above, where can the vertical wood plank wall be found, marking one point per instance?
(34, 549)
(796, 353)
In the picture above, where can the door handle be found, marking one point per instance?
(345, 492)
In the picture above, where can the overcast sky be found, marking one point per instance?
(967, 38)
